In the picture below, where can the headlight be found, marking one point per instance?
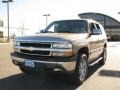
(16, 50)
(65, 46)
(62, 45)
(16, 43)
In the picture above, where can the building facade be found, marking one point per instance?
(111, 25)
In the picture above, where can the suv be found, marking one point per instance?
(67, 45)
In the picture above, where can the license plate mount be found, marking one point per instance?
(29, 63)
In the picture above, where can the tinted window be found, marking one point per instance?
(98, 27)
(92, 26)
(95, 29)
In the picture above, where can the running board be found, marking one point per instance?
(96, 61)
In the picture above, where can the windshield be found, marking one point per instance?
(67, 26)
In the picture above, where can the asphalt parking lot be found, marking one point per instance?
(105, 77)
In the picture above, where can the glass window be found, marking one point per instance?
(98, 27)
(95, 29)
(68, 26)
(92, 26)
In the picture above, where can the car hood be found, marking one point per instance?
(54, 37)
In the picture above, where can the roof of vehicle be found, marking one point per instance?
(89, 20)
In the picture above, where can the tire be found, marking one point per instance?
(104, 56)
(81, 71)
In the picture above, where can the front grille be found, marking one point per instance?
(39, 45)
(44, 53)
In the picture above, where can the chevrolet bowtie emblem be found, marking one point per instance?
(31, 48)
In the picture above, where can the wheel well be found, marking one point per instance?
(105, 46)
(84, 50)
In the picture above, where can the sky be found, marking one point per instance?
(29, 13)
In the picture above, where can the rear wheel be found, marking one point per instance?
(104, 56)
(81, 69)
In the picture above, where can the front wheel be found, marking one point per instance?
(81, 69)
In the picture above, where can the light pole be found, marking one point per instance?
(7, 2)
(118, 12)
(46, 15)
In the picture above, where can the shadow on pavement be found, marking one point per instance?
(93, 69)
(110, 73)
(41, 81)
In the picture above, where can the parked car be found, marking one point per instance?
(69, 46)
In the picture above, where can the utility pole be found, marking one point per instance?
(7, 2)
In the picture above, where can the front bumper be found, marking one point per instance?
(67, 64)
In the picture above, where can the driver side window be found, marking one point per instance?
(95, 29)
(92, 26)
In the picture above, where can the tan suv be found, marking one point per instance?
(67, 45)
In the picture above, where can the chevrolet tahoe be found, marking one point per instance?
(66, 45)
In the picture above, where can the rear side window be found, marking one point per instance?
(98, 27)
(95, 29)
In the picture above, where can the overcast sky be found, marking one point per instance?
(30, 12)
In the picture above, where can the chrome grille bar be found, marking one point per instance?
(42, 49)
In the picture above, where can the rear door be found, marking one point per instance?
(101, 38)
(94, 43)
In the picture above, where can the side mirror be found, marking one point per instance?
(37, 33)
(95, 31)
(42, 31)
